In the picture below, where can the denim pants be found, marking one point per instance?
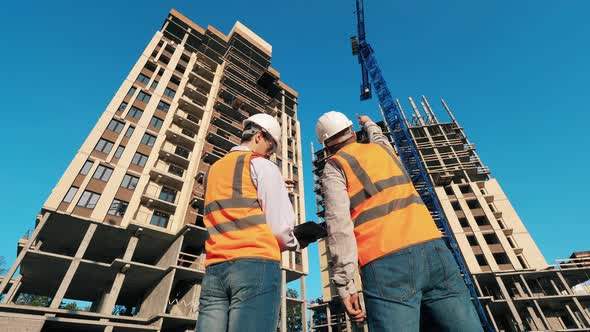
(241, 295)
(418, 288)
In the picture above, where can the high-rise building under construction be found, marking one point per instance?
(519, 290)
(118, 245)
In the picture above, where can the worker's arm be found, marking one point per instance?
(341, 240)
(373, 131)
(274, 200)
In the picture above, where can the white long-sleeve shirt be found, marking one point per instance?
(274, 199)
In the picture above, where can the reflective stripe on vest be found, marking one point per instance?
(233, 216)
(235, 225)
(387, 212)
(237, 199)
(369, 188)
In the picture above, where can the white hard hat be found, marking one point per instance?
(269, 124)
(330, 124)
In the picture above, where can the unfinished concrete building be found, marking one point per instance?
(519, 290)
(118, 245)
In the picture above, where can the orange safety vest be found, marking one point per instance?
(387, 212)
(233, 216)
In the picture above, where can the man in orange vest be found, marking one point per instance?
(250, 220)
(377, 220)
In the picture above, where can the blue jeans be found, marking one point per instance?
(418, 288)
(240, 295)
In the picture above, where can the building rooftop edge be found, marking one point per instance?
(186, 20)
(243, 31)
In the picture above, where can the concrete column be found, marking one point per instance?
(65, 284)
(543, 318)
(12, 291)
(491, 316)
(446, 141)
(526, 285)
(328, 317)
(557, 291)
(583, 312)
(304, 304)
(519, 288)
(86, 241)
(184, 39)
(564, 282)
(283, 301)
(131, 247)
(538, 324)
(156, 299)
(476, 283)
(110, 298)
(575, 319)
(22, 254)
(170, 257)
(511, 306)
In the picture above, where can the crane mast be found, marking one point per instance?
(408, 153)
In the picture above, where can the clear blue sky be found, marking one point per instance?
(514, 72)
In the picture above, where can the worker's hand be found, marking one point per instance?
(363, 119)
(353, 308)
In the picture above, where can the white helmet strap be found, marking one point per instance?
(250, 130)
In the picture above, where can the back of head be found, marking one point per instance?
(265, 123)
(334, 129)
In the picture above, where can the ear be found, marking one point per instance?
(258, 137)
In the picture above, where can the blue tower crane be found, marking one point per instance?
(405, 146)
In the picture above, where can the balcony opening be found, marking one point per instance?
(501, 258)
(473, 204)
(482, 220)
(491, 238)
(465, 188)
(449, 190)
(464, 223)
(522, 262)
(176, 170)
(180, 151)
(481, 260)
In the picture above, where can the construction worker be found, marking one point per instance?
(250, 220)
(376, 219)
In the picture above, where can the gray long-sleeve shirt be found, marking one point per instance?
(341, 239)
